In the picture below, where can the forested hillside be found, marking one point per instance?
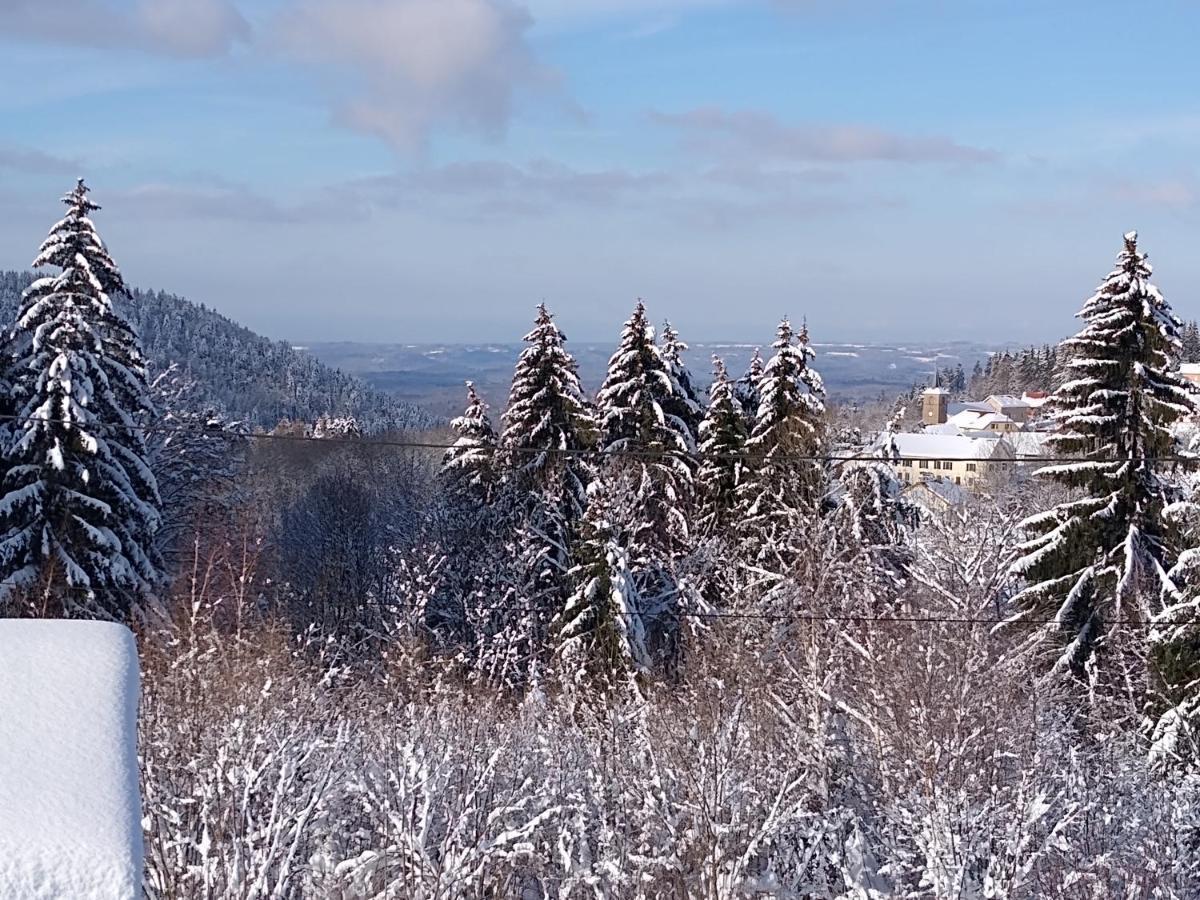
(639, 642)
(251, 378)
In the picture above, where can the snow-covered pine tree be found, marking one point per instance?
(684, 403)
(648, 474)
(548, 421)
(80, 505)
(1100, 560)
(600, 633)
(722, 442)
(780, 486)
(746, 387)
(469, 467)
(469, 531)
(547, 429)
(648, 447)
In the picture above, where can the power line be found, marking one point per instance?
(847, 618)
(838, 618)
(587, 452)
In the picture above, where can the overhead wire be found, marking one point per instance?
(583, 452)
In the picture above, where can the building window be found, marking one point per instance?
(907, 463)
(957, 480)
(970, 467)
(922, 464)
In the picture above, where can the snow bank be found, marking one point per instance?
(70, 817)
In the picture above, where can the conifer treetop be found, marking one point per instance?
(469, 464)
(635, 397)
(722, 439)
(73, 241)
(80, 504)
(1102, 556)
(791, 393)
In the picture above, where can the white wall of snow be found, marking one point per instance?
(70, 811)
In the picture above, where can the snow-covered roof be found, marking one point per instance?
(1005, 400)
(986, 421)
(935, 391)
(963, 406)
(1030, 443)
(977, 418)
(943, 428)
(1035, 400)
(946, 446)
(70, 817)
(1189, 368)
(967, 415)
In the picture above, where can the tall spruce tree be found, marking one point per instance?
(781, 486)
(722, 445)
(1099, 561)
(648, 476)
(80, 507)
(684, 403)
(470, 529)
(546, 430)
(648, 447)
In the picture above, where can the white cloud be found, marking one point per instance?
(192, 27)
(420, 63)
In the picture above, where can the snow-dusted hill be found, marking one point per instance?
(253, 378)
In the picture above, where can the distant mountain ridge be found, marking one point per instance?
(250, 377)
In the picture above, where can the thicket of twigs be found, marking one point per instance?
(788, 757)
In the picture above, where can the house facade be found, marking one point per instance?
(960, 459)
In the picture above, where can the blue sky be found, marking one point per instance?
(411, 170)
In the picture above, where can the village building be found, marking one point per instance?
(960, 442)
(960, 459)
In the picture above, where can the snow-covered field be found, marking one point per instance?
(70, 819)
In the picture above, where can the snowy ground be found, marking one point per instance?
(70, 820)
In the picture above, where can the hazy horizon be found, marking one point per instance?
(428, 170)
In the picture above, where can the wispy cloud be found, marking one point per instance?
(735, 133)
(485, 189)
(185, 28)
(711, 197)
(418, 63)
(35, 162)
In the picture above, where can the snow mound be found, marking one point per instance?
(70, 813)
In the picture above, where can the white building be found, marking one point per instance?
(961, 459)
